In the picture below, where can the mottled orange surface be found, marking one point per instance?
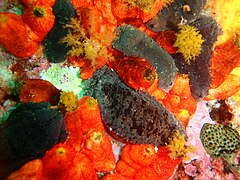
(122, 9)
(97, 147)
(29, 3)
(31, 90)
(16, 37)
(73, 126)
(179, 100)
(137, 73)
(164, 165)
(31, 170)
(166, 40)
(125, 169)
(90, 115)
(225, 58)
(88, 148)
(229, 87)
(87, 69)
(96, 25)
(40, 23)
(115, 176)
(82, 3)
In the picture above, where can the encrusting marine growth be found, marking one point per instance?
(68, 100)
(178, 147)
(220, 141)
(81, 45)
(189, 42)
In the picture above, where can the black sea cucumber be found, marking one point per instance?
(30, 130)
(179, 11)
(134, 116)
(199, 70)
(55, 50)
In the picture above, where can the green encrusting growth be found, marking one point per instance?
(8, 87)
(64, 78)
(223, 142)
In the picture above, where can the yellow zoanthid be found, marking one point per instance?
(189, 42)
(69, 101)
(178, 147)
(146, 5)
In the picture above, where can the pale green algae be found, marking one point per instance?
(64, 78)
(11, 6)
(8, 85)
(8, 80)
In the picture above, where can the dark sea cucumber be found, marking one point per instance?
(55, 50)
(30, 130)
(134, 116)
(199, 70)
(178, 11)
(133, 42)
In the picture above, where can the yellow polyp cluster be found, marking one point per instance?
(3, 18)
(61, 151)
(69, 101)
(177, 146)
(189, 42)
(146, 5)
(149, 151)
(96, 137)
(91, 102)
(89, 48)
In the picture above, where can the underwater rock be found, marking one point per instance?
(30, 130)
(199, 69)
(133, 42)
(133, 116)
(220, 141)
(178, 11)
(55, 50)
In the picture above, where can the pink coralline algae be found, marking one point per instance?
(201, 164)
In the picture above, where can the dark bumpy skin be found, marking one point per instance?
(56, 51)
(173, 15)
(199, 70)
(134, 116)
(170, 16)
(28, 133)
(133, 42)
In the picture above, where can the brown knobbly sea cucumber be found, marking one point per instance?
(132, 116)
